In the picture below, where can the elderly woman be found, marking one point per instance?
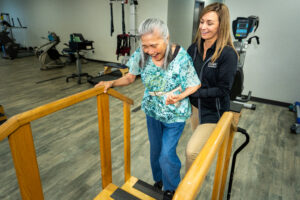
(168, 75)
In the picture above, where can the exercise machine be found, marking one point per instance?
(241, 28)
(115, 70)
(10, 49)
(77, 45)
(48, 55)
(124, 40)
(295, 128)
(111, 71)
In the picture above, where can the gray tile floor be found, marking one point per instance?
(68, 149)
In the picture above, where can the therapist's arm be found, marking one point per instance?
(172, 99)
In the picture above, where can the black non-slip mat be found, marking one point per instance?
(148, 189)
(120, 194)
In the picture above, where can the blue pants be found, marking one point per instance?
(165, 163)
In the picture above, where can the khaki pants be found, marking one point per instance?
(201, 133)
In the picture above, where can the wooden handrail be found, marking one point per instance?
(20, 119)
(190, 185)
(17, 128)
(19, 134)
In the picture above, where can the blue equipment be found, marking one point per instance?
(47, 53)
(295, 128)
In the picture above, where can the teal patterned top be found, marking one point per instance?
(180, 72)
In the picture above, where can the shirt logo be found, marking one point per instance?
(212, 65)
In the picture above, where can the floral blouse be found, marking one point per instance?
(180, 72)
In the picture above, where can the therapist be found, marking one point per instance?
(215, 61)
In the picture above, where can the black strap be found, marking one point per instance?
(175, 52)
(123, 18)
(195, 53)
(112, 29)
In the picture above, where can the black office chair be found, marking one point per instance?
(76, 44)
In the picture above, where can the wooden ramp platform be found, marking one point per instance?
(133, 189)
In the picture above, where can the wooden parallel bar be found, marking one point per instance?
(118, 95)
(24, 157)
(18, 130)
(216, 194)
(1, 109)
(9, 127)
(191, 183)
(2, 118)
(126, 111)
(105, 194)
(18, 120)
(104, 138)
(226, 165)
(46, 109)
(236, 117)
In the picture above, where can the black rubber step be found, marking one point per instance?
(120, 194)
(235, 107)
(149, 190)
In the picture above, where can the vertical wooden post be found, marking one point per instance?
(220, 167)
(104, 138)
(24, 157)
(126, 110)
(226, 164)
(235, 121)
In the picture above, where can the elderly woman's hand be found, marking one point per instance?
(173, 99)
(106, 84)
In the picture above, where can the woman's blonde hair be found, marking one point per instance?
(224, 37)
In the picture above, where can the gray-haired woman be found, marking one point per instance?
(169, 77)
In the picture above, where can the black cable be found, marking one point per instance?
(243, 131)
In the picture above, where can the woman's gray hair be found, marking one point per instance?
(148, 26)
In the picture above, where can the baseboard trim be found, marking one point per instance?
(91, 59)
(268, 101)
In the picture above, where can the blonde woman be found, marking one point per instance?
(215, 61)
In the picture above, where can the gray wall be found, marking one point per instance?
(180, 20)
(89, 17)
(272, 68)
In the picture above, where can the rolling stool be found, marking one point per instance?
(76, 44)
(79, 74)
